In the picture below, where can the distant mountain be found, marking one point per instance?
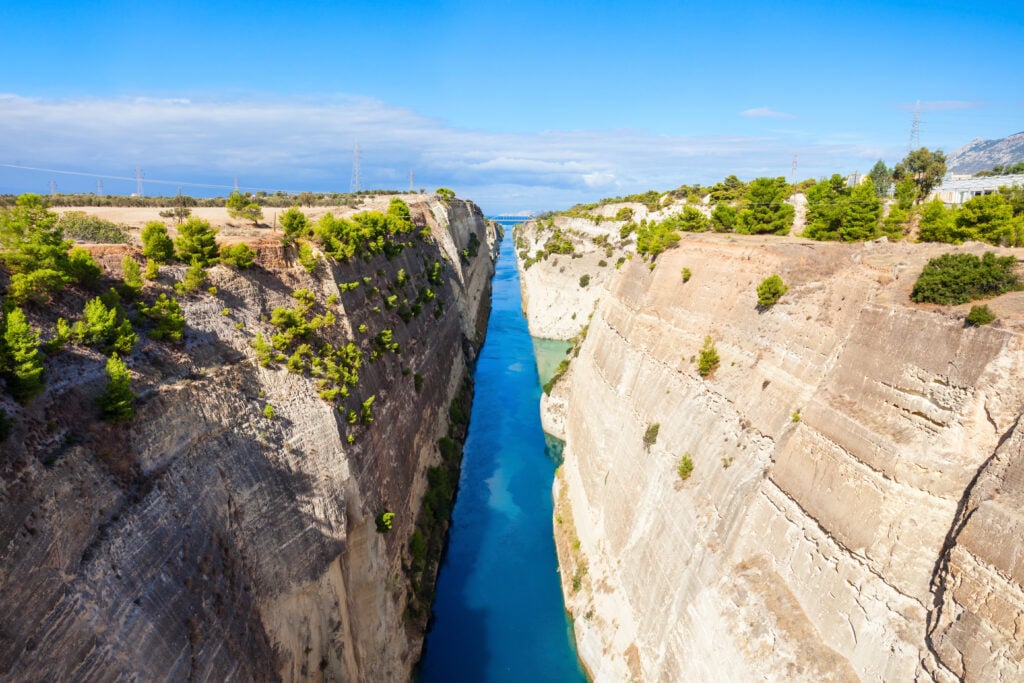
(981, 155)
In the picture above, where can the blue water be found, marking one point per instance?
(498, 613)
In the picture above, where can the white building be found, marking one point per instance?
(955, 191)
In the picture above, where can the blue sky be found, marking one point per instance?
(517, 105)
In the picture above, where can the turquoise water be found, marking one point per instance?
(498, 613)
(549, 353)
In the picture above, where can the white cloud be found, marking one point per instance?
(765, 113)
(296, 144)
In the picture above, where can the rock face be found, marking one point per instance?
(857, 499)
(981, 155)
(204, 540)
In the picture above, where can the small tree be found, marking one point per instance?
(152, 269)
(881, 179)
(132, 285)
(445, 195)
(295, 223)
(770, 291)
(924, 167)
(766, 209)
(708, 361)
(20, 358)
(197, 242)
(156, 244)
(168, 321)
(116, 401)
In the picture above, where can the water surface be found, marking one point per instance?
(498, 614)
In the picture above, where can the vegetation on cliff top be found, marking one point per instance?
(959, 278)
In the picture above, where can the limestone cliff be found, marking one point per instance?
(855, 509)
(207, 540)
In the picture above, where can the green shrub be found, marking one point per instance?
(307, 258)
(686, 274)
(21, 362)
(770, 291)
(104, 326)
(384, 521)
(651, 434)
(166, 317)
(685, 466)
(81, 227)
(709, 360)
(584, 280)
(82, 267)
(268, 412)
(116, 401)
(295, 224)
(152, 270)
(239, 255)
(131, 285)
(196, 242)
(980, 315)
(156, 244)
(194, 279)
(959, 278)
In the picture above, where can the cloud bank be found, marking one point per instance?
(296, 144)
(765, 113)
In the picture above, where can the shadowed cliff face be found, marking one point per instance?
(854, 503)
(205, 540)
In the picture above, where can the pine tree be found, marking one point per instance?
(862, 215)
(116, 401)
(766, 210)
(156, 245)
(132, 286)
(20, 358)
(197, 242)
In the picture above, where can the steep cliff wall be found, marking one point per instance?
(855, 507)
(205, 540)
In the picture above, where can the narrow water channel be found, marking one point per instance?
(498, 614)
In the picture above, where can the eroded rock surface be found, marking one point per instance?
(854, 512)
(203, 540)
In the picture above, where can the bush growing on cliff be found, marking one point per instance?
(197, 242)
(708, 361)
(166, 317)
(21, 362)
(116, 401)
(685, 466)
(239, 255)
(651, 434)
(105, 326)
(980, 315)
(959, 278)
(654, 238)
(131, 285)
(770, 291)
(295, 224)
(156, 244)
(584, 280)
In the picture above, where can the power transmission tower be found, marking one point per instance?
(357, 173)
(53, 186)
(915, 128)
(138, 181)
(792, 174)
(410, 181)
(99, 187)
